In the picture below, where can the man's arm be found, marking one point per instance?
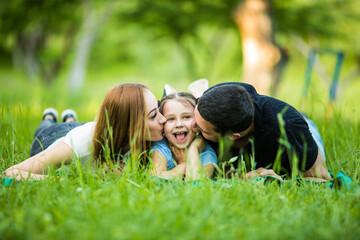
(319, 169)
(318, 172)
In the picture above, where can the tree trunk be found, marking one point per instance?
(26, 53)
(51, 70)
(90, 30)
(26, 49)
(263, 60)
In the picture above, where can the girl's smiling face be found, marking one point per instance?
(177, 128)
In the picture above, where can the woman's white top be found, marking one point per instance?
(79, 140)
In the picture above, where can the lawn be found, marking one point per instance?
(135, 206)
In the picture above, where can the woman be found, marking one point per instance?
(127, 121)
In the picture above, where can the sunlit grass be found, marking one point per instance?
(86, 205)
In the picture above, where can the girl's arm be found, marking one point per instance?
(194, 169)
(160, 167)
(34, 168)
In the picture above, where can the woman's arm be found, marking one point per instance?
(34, 168)
(160, 167)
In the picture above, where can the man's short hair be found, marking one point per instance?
(229, 108)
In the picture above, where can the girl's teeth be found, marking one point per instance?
(180, 136)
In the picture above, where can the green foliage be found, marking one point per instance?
(200, 37)
(176, 19)
(326, 23)
(39, 34)
(20, 15)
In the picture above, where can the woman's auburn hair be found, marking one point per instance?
(120, 125)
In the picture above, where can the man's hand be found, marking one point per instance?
(261, 172)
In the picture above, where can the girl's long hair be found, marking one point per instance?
(120, 125)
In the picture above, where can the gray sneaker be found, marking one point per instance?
(52, 112)
(68, 113)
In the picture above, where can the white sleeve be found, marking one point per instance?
(79, 140)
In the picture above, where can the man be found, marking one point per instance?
(237, 109)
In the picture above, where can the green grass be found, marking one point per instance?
(148, 209)
(86, 206)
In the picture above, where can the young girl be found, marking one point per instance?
(194, 157)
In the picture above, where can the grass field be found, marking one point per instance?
(85, 206)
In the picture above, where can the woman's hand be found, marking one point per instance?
(34, 168)
(21, 175)
(179, 154)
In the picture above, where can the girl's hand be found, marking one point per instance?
(198, 143)
(179, 154)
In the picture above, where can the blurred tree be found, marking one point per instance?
(179, 20)
(29, 27)
(264, 61)
(312, 24)
(260, 23)
(41, 33)
(94, 18)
